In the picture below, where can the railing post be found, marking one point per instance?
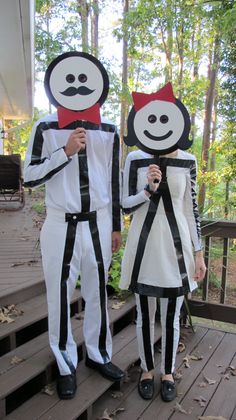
(224, 270)
(207, 262)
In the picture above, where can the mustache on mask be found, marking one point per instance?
(72, 91)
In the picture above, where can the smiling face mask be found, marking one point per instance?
(158, 123)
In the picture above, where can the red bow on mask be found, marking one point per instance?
(164, 94)
(66, 116)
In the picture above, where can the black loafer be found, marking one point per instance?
(66, 386)
(146, 388)
(108, 370)
(168, 390)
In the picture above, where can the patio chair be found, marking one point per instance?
(11, 182)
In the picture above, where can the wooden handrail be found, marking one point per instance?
(225, 230)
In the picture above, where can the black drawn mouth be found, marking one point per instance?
(158, 138)
(72, 91)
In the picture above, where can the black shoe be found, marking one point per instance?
(168, 390)
(108, 370)
(146, 388)
(66, 386)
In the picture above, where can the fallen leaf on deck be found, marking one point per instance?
(105, 416)
(117, 394)
(209, 381)
(30, 262)
(186, 362)
(4, 318)
(48, 390)
(118, 305)
(178, 407)
(116, 411)
(178, 375)
(16, 360)
(195, 357)
(231, 370)
(181, 347)
(201, 400)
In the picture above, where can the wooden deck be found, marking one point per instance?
(205, 369)
(206, 388)
(21, 273)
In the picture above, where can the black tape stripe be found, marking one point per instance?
(115, 183)
(170, 316)
(68, 252)
(142, 241)
(48, 176)
(84, 181)
(102, 289)
(156, 291)
(146, 332)
(53, 125)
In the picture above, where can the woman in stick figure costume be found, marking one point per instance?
(159, 189)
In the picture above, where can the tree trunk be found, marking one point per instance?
(94, 27)
(212, 73)
(123, 110)
(83, 9)
(226, 199)
(213, 154)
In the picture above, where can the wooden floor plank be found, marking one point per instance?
(223, 402)
(219, 361)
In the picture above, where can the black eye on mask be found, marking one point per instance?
(70, 78)
(152, 118)
(164, 119)
(82, 78)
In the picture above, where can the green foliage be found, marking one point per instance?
(39, 207)
(115, 269)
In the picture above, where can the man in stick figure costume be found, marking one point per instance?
(159, 188)
(76, 155)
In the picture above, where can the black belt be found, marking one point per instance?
(80, 217)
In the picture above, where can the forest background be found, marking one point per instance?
(144, 44)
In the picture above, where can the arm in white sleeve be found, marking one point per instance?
(131, 198)
(40, 165)
(191, 208)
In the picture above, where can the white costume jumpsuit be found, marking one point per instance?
(83, 208)
(158, 259)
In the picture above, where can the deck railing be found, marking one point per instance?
(219, 311)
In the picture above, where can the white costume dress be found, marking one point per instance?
(82, 201)
(159, 273)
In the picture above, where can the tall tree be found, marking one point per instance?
(94, 27)
(124, 105)
(84, 9)
(213, 67)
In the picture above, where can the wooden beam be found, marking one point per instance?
(219, 229)
(214, 311)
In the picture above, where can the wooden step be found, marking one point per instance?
(38, 367)
(32, 322)
(91, 386)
